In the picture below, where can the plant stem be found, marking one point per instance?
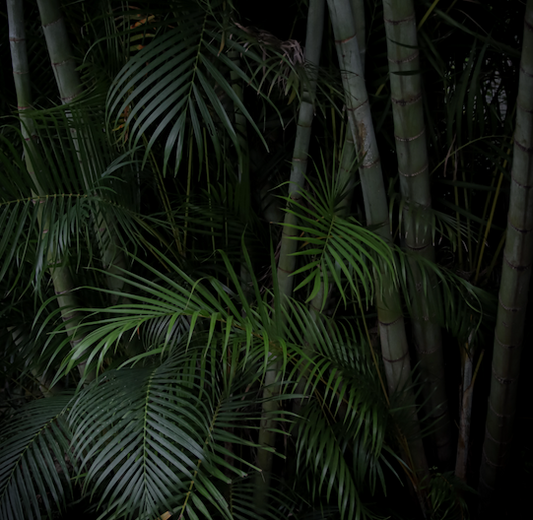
(516, 275)
(59, 270)
(394, 346)
(409, 131)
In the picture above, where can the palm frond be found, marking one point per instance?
(203, 305)
(83, 187)
(175, 86)
(337, 249)
(323, 452)
(35, 477)
(156, 438)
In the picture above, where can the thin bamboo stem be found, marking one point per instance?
(70, 88)
(287, 260)
(313, 44)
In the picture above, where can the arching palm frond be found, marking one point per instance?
(340, 250)
(173, 436)
(164, 438)
(82, 188)
(335, 462)
(35, 462)
(201, 307)
(179, 83)
(350, 253)
(63, 217)
(340, 444)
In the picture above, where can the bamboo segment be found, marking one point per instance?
(345, 176)
(60, 273)
(70, 88)
(394, 346)
(514, 286)
(358, 11)
(409, 132)
(57, 41)
(313, 44)
(287, 261)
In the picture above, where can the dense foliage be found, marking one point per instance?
(236, 281)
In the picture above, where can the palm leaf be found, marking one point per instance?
(337, 249)
(321, 451)
(205, 307)
(83, 186)
(34, 446)
(155, 439)
(173, 88)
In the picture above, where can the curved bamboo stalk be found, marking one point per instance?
(313, 44)
(287, 261)
(345, 175)
(516, 275)
(409, 132)
(70, 88)
(394, 346)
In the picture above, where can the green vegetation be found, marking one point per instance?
(257, 268)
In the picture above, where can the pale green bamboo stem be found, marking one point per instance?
(409, 132)
(57, 41)
(70, 87)
(515, 280)
(358, 10)
(287, 262)
(346, 173)
(394, 346)
(59, 272)
(19, 60)
(313, 44)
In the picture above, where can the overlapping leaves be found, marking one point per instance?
(179, 85)
(35, 476)
(73, 204)
(153, 438)
(339, 251)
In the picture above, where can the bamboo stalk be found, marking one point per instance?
(409, 132)
(394, 346)
(59, 271)
(70, 88)
(358, 11)
(287, 261)
(515, 279)
(57, 41)
(313, 44)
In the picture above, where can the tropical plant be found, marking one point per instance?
(198, 319)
